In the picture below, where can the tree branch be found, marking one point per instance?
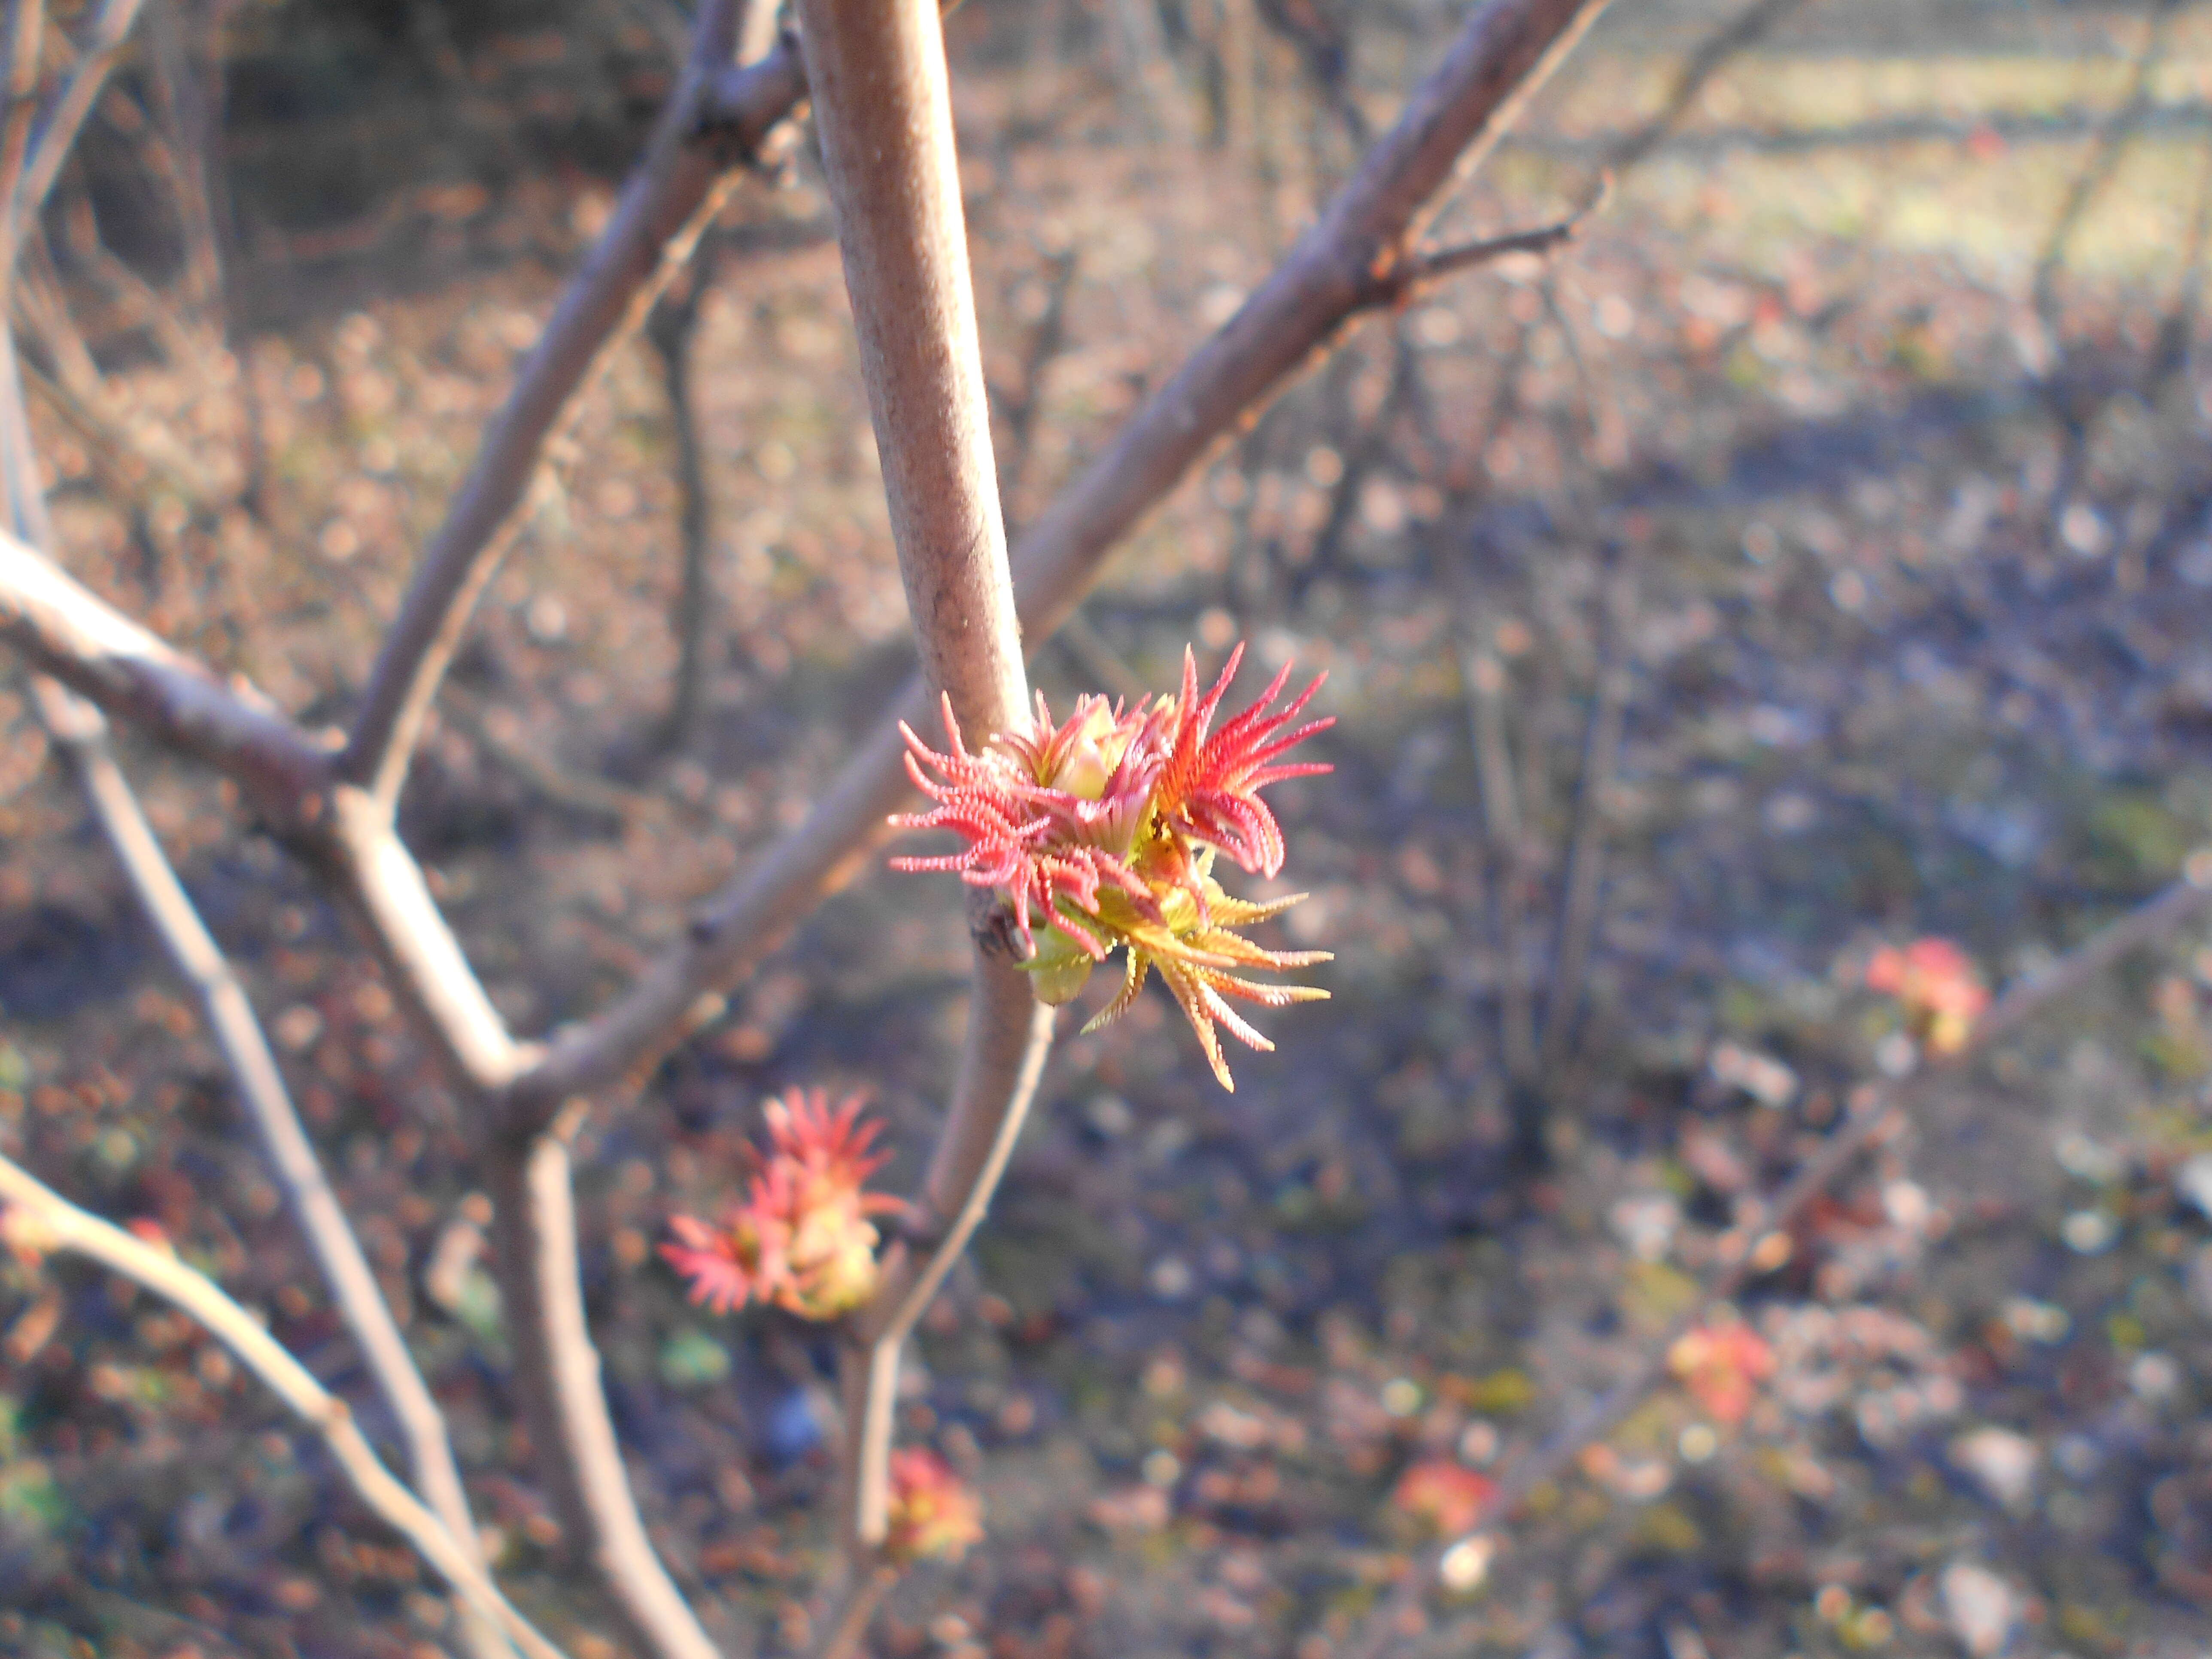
(1877, 1111)
(81, 731)
(1337, 270)
(884, 115)
(82, 734)
(373, 870)
(25, 32)
(2103, 161)
(346, 832)
(1009, 1036)
(349, 842)
(883, 109)
(38, 1218)
(745, 102)
(1423, 271)
(71, 633)
(556, 1372)
(1714, 53)
(669, 200)
(110, 29)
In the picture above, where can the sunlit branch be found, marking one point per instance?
(37, 1219)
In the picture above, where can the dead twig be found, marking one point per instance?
(135, 299)
(2072, 405)
(1324, 46)
(182, 115)
(2177, 330)
(1370, 451)
(1046, 341)
(493, 730)
(671, 330)
(1099, 660)
(844, 1637)
(111, 437)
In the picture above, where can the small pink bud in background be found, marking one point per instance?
(1936, 984)
(934, 1515)
(1444, 1495)
(801, 1236)
(1721, 1365)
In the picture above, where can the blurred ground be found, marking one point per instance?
(1922, 581)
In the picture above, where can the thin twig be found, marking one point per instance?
(1877, 1111)
(180, 113)
(845, 1636)
(25, 38)
(1504, 51)
(1046, 342)
(1484, 677)
(81, 732)
(883, 110)
(110, 29)
(577, 792)
(675, 191)
(2177, 330)
(1324, 50)
(1714, 53)
(1421, 272)
(135, 300)
(564, 1404)
(101, 427)
(1371, 450)
(2097, 171)
(68, 631)
(37, 1219)
(1583, 883)
(2073, 406)
(671, 329)
(1099, 660)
